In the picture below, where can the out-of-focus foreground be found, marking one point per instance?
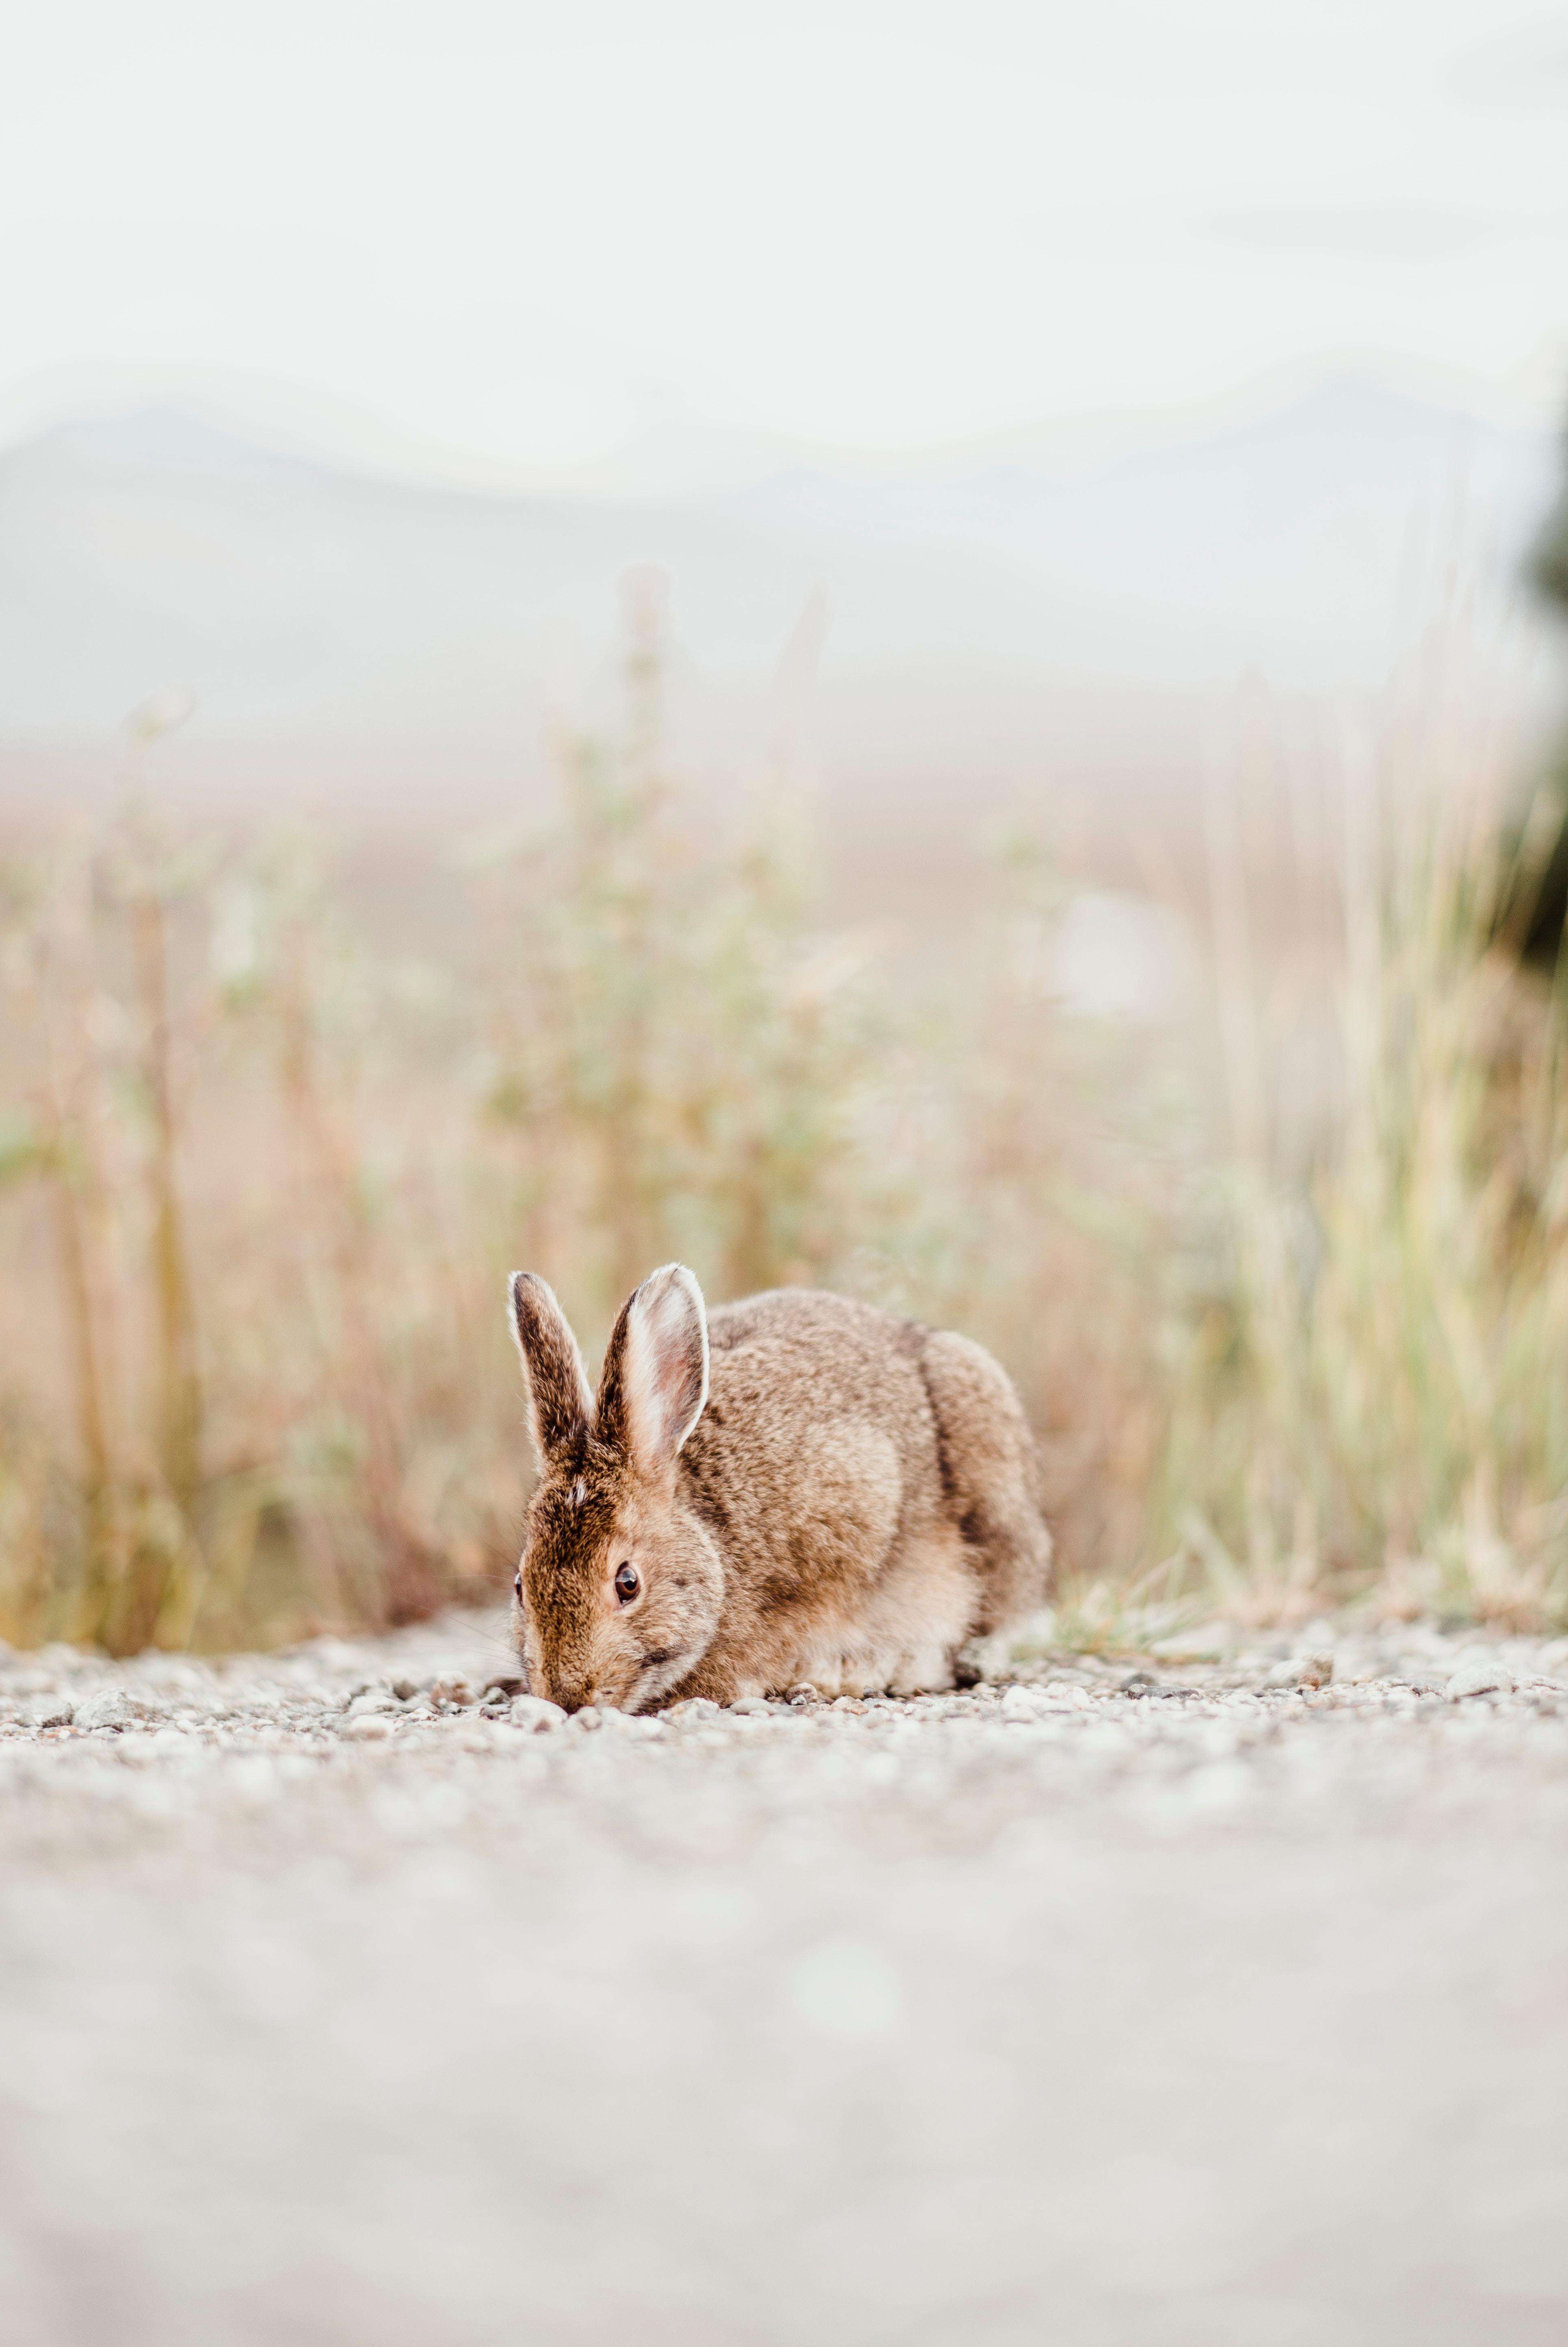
(1278, 1260)
(1199, 2005)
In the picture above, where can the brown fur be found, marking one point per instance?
(809, 1490)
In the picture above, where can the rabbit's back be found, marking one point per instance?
(795, 1357)
(852, 1467)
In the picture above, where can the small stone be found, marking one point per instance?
(694, 1708)
(1017, 1704)
(1302, 1670)
(372, 1702)
(1139, 1683)
(51, 1711)
(803, 1695)
(368, 1728)
(534, 1715)
(106, 1708)
(1480, 1671)
(752, 1707)
(404, 1690)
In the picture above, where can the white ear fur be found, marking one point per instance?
(664, 1367)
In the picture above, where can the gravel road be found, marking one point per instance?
(1171, 2001)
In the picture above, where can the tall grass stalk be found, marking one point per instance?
(1372, 1385)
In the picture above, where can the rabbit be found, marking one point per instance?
(794, 1489)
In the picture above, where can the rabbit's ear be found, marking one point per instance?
(655, 1378)
(559, 1402)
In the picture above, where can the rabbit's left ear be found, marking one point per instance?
(655, 1378)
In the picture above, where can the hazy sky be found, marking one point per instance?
(657, 246)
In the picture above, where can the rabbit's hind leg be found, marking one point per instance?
(992, 1474)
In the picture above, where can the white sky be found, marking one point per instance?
(600, 246)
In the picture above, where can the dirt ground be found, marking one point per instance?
(1174, 1999)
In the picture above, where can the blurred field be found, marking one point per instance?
(1255, 1179)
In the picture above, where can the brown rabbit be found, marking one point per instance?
(795, 1488)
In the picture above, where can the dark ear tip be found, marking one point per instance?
(523, 1299)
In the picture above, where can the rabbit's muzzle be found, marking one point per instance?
(637, 1687)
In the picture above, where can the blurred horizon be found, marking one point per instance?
(347, 642)
(996, 391)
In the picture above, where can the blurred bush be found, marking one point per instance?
(260, 1192)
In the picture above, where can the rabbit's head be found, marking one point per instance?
(621, 1586)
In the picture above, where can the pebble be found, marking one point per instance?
(1302, 1671)
(108, 1709)
(534, 1715)
(1481, 1670)
(371, 1701)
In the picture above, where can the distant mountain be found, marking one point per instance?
(1307, 543)
(345, 634)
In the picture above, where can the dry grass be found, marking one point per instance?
(260, 1195)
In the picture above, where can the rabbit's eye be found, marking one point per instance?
(628, 1582)
(517, 1586)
